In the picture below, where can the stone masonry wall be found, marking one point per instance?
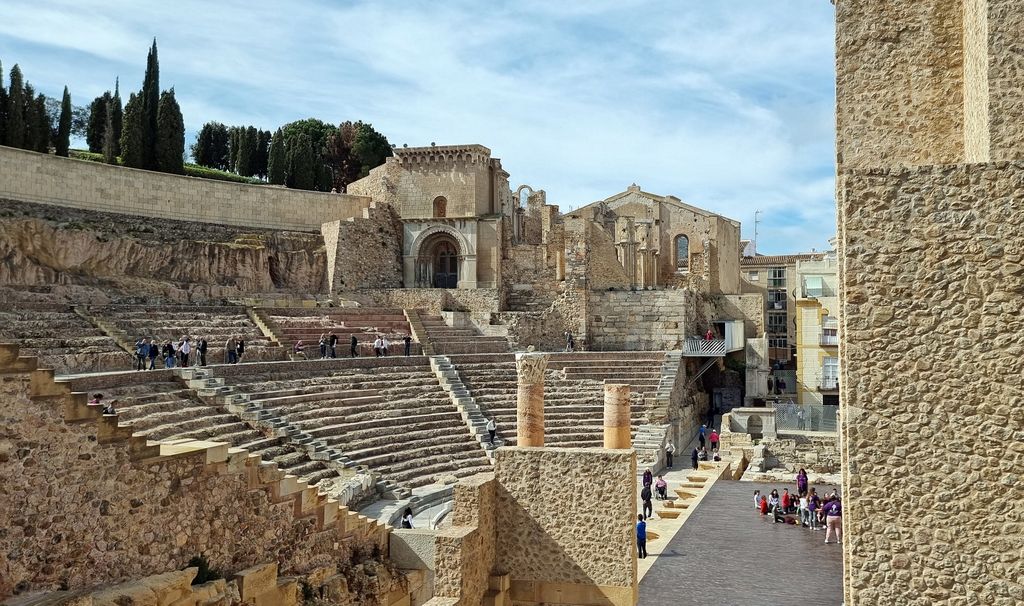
(932, 388)
(899, 69)
(41, 178)
(79, 513)
(364, 252)
(641, 320)
(547, 541)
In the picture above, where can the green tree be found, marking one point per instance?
(302, 173)
(131, 134)
(63, 141)
(3, 107)
(277, 160)
(110, 142)
(16, 110)
(370, 148)
(245, 164)
(262, 154)
(212, 146)
(150, 109)
(97, 122)
(116, 113)
(44, 126)
(170, 141)
(234, 142)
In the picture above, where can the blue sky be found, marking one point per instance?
(727, 105)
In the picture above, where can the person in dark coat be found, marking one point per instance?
(353, 347)
(332, 342)
(645, 496)
(693, 457)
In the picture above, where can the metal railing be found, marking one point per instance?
(790, 416)
(828, 383)
(704, 347)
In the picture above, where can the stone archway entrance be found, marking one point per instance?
(438, 262)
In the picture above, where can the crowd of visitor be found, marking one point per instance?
(177, 353)
(805, 508)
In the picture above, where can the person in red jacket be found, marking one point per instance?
(785, 500)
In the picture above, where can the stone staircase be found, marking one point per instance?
(474, 418)
(447, 340)
(295, 503)
(419, 333)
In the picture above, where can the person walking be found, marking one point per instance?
(168, 352)
(805, 517)
(648, 478)
(834, 519)
(570, 343)
(323, 345)
(353, 347)
(407, 518)
(184, 350)
(230, 351)
(694, 457)
(141, 353)
(492, 429)
(384, 346)
(669, 449)
(408, 345)
(641, 536)
(154, 353)
(332, 343)
(701, 437)
(714, 439)
(378, 344)
(240, 348)
(813, 508)
(201, 350)
(645, 496)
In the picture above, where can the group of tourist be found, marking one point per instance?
(652, 489)
(171, 353)
(329, 346)
(805, 508)
(707, 448)
(109, 407)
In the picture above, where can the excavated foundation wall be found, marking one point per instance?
(72, 255)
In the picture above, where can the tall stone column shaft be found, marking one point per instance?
(530, 399)
(616, 415)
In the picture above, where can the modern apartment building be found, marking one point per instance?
(817, 331)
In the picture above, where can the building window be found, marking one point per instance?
(682, 253)
(777, 299)
(777, 277)
(814, 286)
(440, 207)
(829, 331)
(778, 342)
(777, 323)
(754, 277)
(830, 373)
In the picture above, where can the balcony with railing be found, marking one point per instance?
(704, 347)
(829, 339)
(734, 340)
(828, 384)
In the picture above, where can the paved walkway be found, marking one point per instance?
(728, 555)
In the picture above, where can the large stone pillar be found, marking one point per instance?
(616, 415)
(530, 399)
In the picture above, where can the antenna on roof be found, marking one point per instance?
(757, 222)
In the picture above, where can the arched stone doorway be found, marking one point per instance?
(438, 263)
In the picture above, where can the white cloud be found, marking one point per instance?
(726, 105)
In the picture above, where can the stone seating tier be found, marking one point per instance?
(390, 414)
(447, 340)
(159, 407)
(573, 404)
(291, 325)
(62, 339)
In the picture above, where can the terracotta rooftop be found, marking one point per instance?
(764, 260)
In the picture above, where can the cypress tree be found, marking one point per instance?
(116, 113)
(110, 143)
(262, 150)
(63, 141)
(16, 110)
(150, 109)
(277, 160)
(170, 141)
(97, 122)
(3, 106)
(44, 126)
(302, 173)
(131, 134)
(247, 144)
(234, 141)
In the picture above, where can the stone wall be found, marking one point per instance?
(932, 338)
(641, 320)
(41, 178)
(899, 88)
(84, 255)
(87, 505)
(364, 252)
(749, 308)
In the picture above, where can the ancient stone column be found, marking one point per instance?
(530, 399)
(616, 416)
